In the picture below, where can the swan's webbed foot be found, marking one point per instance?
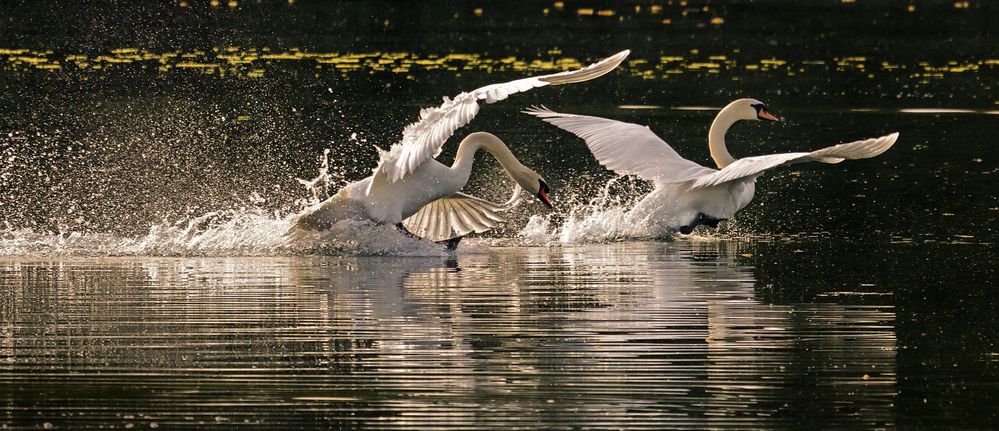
(449, 244)
(699, 220)
(710, 221)
(405, 231)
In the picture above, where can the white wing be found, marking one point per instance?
(752, 166)
(626, 148)
(423, 139)
(453, 216)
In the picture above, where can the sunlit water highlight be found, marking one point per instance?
(673, 334)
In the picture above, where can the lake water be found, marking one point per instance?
(151, 158)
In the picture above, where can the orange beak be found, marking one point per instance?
(764, 115)
(543, 197)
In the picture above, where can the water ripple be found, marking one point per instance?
(636, 335)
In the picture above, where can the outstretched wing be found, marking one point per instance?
(423, 139)
(752, 166)
(454, 216)
(626, 148)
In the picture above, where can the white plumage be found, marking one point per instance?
(408, 186)
(754, 166)
(687, 194)
(456, 215)
(423, 139)
(626, 148)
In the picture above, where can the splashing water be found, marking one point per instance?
(609, 217)
(255, 230)
(243, 232)
(248, 231)
(603, 218)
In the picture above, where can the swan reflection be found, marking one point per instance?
(670, 331)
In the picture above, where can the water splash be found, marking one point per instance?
(603, 218)
(258, 229)
(249, 230)
(610, 217)
(244, 232)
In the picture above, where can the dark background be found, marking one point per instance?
(122, 148)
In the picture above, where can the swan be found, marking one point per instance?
(686, 194)
(421, 196)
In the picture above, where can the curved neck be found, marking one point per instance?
(486, 141)
(716, 136)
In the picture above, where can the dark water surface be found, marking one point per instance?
(688, 334)
(638, 335)
(858, 295)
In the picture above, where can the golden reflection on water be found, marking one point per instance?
(255, 63)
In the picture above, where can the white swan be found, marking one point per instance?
(418, 194)
(687, 194)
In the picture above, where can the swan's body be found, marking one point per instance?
(411, 188)
(672, 206)
(685, 193)
(377, 199)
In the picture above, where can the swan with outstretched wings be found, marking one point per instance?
(687, 194)
(412, 190)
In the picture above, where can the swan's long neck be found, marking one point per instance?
(486, 141)
(716, 136)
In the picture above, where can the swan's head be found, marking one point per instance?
(751, 109)
(543, 191)
(532, 182)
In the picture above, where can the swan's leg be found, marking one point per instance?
(686, 230)
(709, 221)
(699, 220)
(405, 231)
(449, 244)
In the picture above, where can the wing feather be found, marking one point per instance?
(455, 215)
(753, 166)
(626, 148)
(423, 139)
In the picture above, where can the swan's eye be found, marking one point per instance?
(759, 107)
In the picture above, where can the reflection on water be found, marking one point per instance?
(653, 335)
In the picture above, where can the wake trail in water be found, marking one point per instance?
(245, 232)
